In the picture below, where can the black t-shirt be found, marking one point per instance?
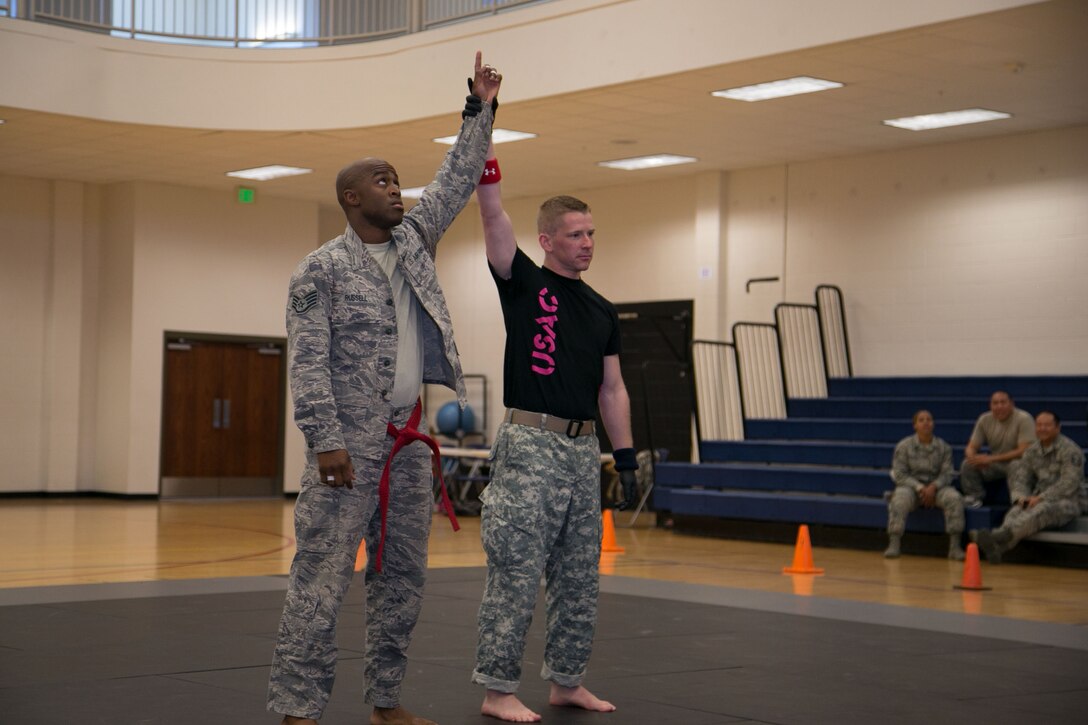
(558, 332)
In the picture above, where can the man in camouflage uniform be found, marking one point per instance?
(1047, 489)
(367, 324)
(542, 509)
(922, 471)
(1007, 431)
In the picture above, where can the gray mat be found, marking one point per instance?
(184, 652)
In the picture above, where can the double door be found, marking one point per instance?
(222, 418)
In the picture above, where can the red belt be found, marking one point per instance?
(404, 436)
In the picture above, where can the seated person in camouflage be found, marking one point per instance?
(1008, 432)
(1047, 489)
(922, 471)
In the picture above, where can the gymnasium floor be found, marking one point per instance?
(148, 612)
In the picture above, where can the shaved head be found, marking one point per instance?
(351, 174)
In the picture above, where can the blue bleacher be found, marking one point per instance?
(856, 511)
(931, 388)
(828, 461)
(943, 409)
(876, 430)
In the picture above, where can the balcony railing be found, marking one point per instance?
(256, 23)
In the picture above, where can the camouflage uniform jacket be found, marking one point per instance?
(915, 464)
(341, 320)
(1051, 473)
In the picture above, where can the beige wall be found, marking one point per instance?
(963, 258)
(113, 422)
(955, 259)
(99, 274)
(25, 229)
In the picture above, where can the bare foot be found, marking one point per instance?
(506, 706)
(397, 716)
(292, 720)
(578, 697)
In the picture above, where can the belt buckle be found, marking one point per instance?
(576, 425)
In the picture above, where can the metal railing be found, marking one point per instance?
(256, 23)
(766, 364)
(759, 362)
(716, 384)
(835, 343)
(801, 349)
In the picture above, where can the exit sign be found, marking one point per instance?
(246, 195)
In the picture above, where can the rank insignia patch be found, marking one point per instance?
(301, 303)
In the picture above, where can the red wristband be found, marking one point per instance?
(491, 174)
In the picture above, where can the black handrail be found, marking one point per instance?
(749, 364)
(764, 365)
(719, 389)
(825, 344)
(802, 379)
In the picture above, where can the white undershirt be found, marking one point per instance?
(409, 371)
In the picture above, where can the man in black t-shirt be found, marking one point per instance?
(542, 509)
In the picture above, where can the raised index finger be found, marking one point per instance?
(479, 59)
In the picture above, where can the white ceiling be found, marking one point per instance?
(1031, 61)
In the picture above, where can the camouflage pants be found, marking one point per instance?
(972, 479)
(541, 516)
(329, 525)
(904, 500)
(1021, 522)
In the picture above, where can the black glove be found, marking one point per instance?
(473, 105)
(494, 102)
(629, 482)
(626, 465)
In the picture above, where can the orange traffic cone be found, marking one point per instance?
(360, 556)
(972, 575)
(802, 555)
(608, 542)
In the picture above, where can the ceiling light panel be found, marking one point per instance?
(265, 173)
(647, 162)
(950, 118)
(777, 89)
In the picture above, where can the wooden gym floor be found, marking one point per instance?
(48, 542)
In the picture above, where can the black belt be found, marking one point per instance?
(543, 421)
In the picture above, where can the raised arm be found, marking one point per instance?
(498, 229)
(456, 179)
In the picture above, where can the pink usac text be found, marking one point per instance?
(544, 342)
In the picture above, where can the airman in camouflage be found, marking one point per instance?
(922, 471)
(367, 324)
(1047, 489)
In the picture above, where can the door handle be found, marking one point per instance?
(226, 413)
(217, 408)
